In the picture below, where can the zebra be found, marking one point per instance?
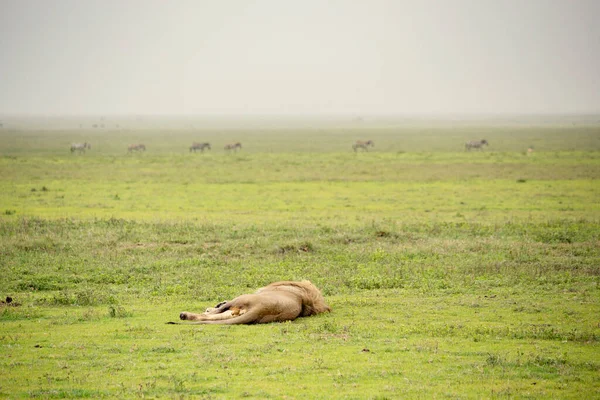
(476, 144)
(80, 147)
(233, 146)
(136, 147)
(363, 145)
(199, 146)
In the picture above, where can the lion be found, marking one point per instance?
(277, 302)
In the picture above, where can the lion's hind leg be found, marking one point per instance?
(223, 310)
(217, 317)
(218, 309)
(228, 314)
(231, 313)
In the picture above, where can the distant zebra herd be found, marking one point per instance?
(80, 148)
(140, 147)
(473, 144)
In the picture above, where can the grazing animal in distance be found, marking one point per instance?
(476, 144)
(233, 147)
(136, 147)
(530, 150)
(277, 302)
(199, 146)
(80, 147)
(363, 145)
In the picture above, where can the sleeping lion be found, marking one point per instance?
(277, 302)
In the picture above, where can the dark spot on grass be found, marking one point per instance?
(383, 234)
(9, 302)
(305, 247)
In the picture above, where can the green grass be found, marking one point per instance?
(450, 274)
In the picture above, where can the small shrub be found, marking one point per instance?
(82, 297)
(306, 247)
(164, 349)
(118, 312)
(41, 244)
(17, 313)
(327, 327)
(493, 360)
(40, 283)
(548, 361)
(89, 315)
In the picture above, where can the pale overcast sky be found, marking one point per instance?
(299, 57)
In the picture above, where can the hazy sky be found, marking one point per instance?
(299, 57)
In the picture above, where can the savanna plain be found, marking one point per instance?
(450, 273)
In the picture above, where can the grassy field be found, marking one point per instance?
(451, 274)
